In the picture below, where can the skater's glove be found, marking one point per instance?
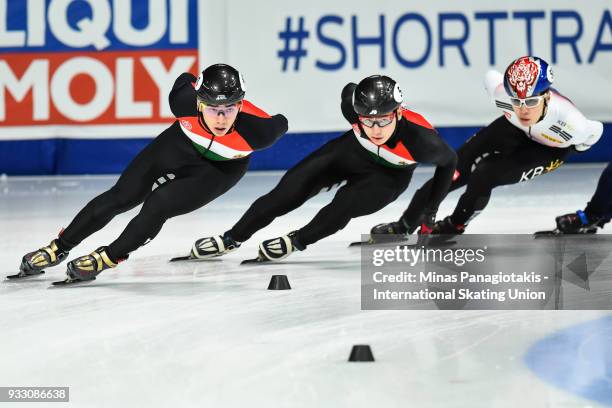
(347, 104)
(187, 77)
(581, 148)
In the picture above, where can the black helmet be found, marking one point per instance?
(376, 95)
(219, 84)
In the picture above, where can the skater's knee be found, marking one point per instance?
(277, 202)
(156, 211)
(357, 205)
(120, 200)
(106, 204)
(485, 175)
(481, 202)
(479, 189)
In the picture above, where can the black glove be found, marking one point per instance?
(187, 77)
(347, 103)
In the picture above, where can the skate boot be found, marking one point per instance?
(576, 223)
(211, 247)
(279, 248)
(385, 232)
(87, 267)
(447, 227)
(34, 262)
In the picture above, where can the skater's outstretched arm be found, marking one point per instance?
(182, 97)
(347, 103)
(427, 146)
(259, 129)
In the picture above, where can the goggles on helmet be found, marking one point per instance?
(381, 121)
(218, 110)
(531, 102)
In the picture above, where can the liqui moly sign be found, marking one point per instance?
(67, 64)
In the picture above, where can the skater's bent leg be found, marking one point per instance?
(299, 184)
(413, 213)
(130, 190)
(497, 171)
(99, 212)
(353, 200)
(177, 197)
(471, 203)
(471, 151)
(490, 173)
(601, 202)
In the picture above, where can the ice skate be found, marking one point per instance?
(87, 267)
(34, 263)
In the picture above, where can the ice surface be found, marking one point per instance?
(154, 334)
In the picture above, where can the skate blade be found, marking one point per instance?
(257, 260)
(371, 241)
(432, 240)
(549, 233)
(189, 258)
(22, 275)
(182, 258)
(70, 282)
(360, 243)
(379, 242)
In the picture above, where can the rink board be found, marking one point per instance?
(109, 156)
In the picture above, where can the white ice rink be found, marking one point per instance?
(209, 334)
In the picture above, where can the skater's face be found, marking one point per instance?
(530, 110)
(220, 119)
(379, 128)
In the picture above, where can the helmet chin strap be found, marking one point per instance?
(362, 132)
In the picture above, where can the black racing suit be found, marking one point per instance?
(374, 177)
(194, 176)
(600, 206)
(497, 155)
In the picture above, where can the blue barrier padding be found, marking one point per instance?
(108, 156)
